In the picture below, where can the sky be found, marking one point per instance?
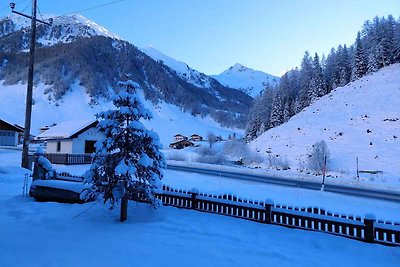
(212, 35)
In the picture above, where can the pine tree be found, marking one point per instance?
(317, 85)
(360, 63)
(276, 112)
(128, 162)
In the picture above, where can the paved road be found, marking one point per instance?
(339, 189)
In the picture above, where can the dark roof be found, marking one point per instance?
(178, 135)
(182, 141)
(10, 127)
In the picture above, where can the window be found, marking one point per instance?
(58, 146)
(89, 146)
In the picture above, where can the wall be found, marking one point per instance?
(78, 146)
(66, 146)
(8, 138)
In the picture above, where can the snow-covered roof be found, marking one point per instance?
(68, 129)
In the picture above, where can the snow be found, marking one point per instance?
(55, 234)
(291, 196)
(250, 81)
(167, 121)
(71, 186)
(66, 129)
(182, 69)
(67, 232)
(358, 120)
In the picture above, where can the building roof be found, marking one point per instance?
(68, 129)
(178, 135)
(181, 141)
(11, 127)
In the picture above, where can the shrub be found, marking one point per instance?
(316, 158)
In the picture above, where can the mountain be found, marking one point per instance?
(76, 50)
(250, 81)
(192, 76)
(361, 119)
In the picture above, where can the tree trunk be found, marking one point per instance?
(124, 209)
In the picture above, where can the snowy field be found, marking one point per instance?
(361, 119)
(54, 234)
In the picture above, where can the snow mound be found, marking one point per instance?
(360, 120)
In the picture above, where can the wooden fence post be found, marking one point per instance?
(194, 192)
(268, 210)
(369, 233)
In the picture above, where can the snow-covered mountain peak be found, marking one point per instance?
(65, 28)
(246, 79)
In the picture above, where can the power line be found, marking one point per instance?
(95, 7)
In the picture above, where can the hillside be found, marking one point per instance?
(168, 119)
(250, 81)
(76, 50)
(361, 120)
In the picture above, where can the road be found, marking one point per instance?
(339, 189)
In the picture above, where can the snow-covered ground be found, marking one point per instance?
(360, 120)
(251, 190)
(168, 119)
(53, 234)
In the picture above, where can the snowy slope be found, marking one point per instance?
(168, 119)
(361, 120)
(250, 81)
(182, 69)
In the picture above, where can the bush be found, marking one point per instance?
(278, 162)
(209, 155)
(176, 155)
(316, 158)
(240, 149)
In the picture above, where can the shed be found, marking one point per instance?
(9, 133)
(72, 137)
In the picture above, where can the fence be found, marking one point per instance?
(69, 159)
(306, 218)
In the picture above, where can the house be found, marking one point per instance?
(196, 137)
(179, 137)
(9, 133)
(181, 144)
(72, 137)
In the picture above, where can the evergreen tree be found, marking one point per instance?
(360, 63)
(128, 162)
(317, 85)
(276, 112)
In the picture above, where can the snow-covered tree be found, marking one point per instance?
(128, 163)
(276, 112)
(360, 62)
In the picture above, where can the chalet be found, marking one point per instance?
(9, 133)
(72, 137)
(179, 137)
(196, 137)
(181, 144)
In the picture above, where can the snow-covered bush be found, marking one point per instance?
(276, 161)
(209, 155)
(240, 149)
(128, 162)
(176, 155)
(317, 157)
(211, 138)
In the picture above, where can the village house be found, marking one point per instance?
(196, 137)
(10, 133)
(72, 137)
(181, 144)
(179, 137)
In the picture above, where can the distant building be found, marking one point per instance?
(196, 137)
(180, 137)
(10, 133)
(181, 144)
(72, 137)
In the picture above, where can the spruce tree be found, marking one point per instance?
(360, 63)
(276, 112)
(128, 163)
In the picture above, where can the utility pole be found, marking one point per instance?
(29, 90)
(323, 174)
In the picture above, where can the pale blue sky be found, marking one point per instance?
(211, 35)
